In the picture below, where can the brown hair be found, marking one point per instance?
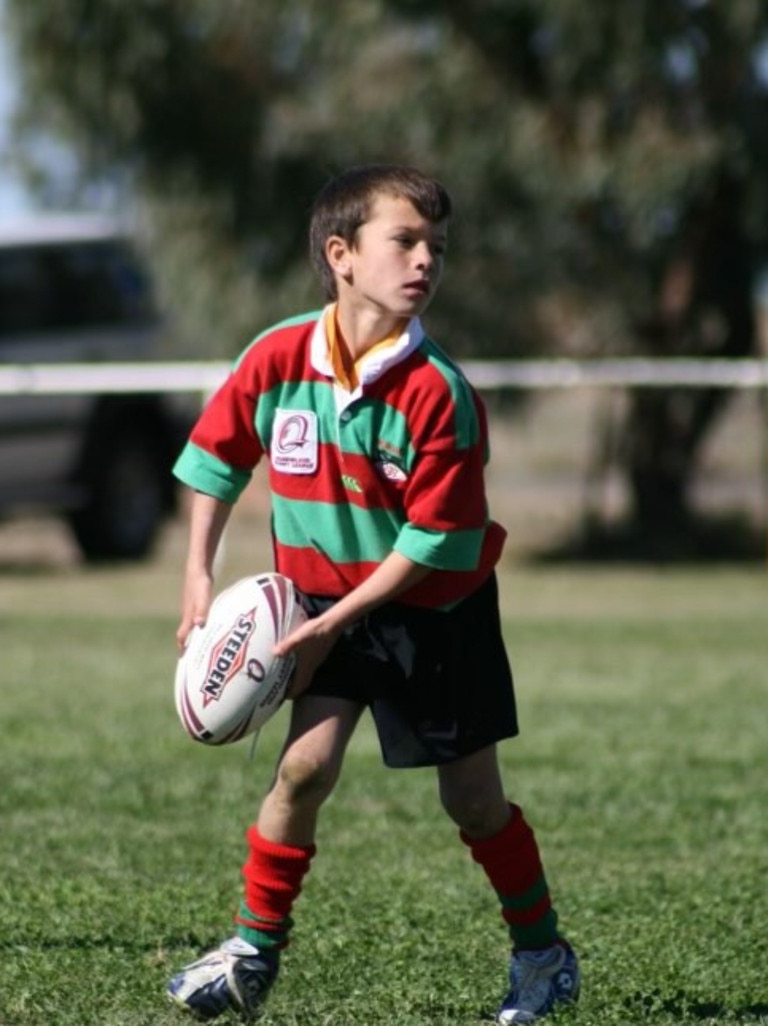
(344, 204)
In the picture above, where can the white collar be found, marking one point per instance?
(371, 366)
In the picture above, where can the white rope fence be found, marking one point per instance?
(204, 376)
(103, 378)
(627, 372)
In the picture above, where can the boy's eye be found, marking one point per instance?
(408, 242)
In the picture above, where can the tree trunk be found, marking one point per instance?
(705, 309)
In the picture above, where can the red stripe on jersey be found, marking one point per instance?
(352, 479)
(279, 355)
(314, 572)
(444, 428)
(444, 587)
(227, 430)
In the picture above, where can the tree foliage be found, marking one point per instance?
(609, 163)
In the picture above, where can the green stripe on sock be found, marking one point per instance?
(542, 931)
(540, 934)
(519, 902)
(274, 936)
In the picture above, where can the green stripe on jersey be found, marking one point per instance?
(466, 427)
(373, 426)
(376, 427)
(352, 534)
(296, 395)
(210, 474)
(345, 533)
(443, 550)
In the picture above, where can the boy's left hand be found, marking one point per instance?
(311, 644)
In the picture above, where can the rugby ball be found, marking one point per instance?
(228, 680)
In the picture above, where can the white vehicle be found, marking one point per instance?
(72, 290)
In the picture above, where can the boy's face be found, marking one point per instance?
(396, 261)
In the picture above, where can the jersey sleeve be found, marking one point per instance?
(224, 447)
(445, 504)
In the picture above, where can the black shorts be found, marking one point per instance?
(438, 683)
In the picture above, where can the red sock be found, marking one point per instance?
(273, 875)
(513, 866)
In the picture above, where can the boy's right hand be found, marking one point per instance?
(195, 603)
(310, 644)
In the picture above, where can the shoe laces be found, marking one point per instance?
(253, 973)
(531, 973)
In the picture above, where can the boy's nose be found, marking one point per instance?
(424, 255)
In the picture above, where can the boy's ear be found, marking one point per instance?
(338, 256)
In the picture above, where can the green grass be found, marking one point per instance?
(643, 765)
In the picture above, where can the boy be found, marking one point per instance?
(376, 446)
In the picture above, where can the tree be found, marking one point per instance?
(704, 306)
(654, 113)
(609, 161)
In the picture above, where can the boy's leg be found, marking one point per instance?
(281, 842)
(543, 969)
(308, 767)
(239, 974)
(500, 841)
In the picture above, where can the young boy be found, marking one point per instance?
(376, 446)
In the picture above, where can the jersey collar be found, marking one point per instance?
(375, 362)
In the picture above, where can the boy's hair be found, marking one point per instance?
(344, 204)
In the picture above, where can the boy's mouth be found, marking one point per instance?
(421, 287)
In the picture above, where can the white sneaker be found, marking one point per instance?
(235, 977)
(538, 980)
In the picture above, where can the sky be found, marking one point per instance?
(13, 197)
(60, 161)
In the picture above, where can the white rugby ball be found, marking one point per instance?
(228, 680)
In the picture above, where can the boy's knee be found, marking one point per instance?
(305, 779)
(475, 812)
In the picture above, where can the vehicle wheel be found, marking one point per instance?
(127, 501)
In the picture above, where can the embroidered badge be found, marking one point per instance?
(294, 441)
(390, 470)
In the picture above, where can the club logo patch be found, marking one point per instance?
(294, 442)
(390, 470)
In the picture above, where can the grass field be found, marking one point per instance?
(643, 764)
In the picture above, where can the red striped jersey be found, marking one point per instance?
(397, 463)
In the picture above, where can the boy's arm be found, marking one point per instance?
(313, 641)
(208, 518)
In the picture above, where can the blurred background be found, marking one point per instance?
(609, 167)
